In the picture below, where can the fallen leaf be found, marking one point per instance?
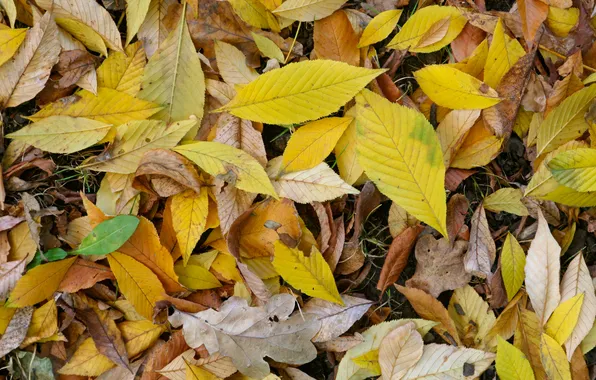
(189, 218)
(397, 257)
(511, 363)
(452, 131)
(84, 274)
(241, 134)
(533, 13)
(457, 210)
(472, 318)
(482, 251)
(44, 323)
(16, 331)
(554, 358)
(506, 199)
(513, 262)
(380, 27)
(400, 350)
(335, 39)
(307, 10)
(232, 66)
(108, 236)
(10, 273)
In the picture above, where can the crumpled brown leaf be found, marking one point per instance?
(166, 163)
(247, 334)
(163, 354)
(482, 250)
(439, 266)
(73, 65)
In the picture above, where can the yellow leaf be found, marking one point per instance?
(542, 271)
(421, 21)
(196, 277)
(566, 122)
(574, 168)
(503, 53)
(136, 11)
(479, 148)
(562, 322)
(380, 27)
(311, 275)
(10, 9)
(399, 219)
(39, 283)
(313, 142)
(527, 339)
(10, 40)
(474, 64)
(232, 66)
(512, 364)
(44, 323)
(400, 350)
(6, 314)
(139, 335)
(173, 78)
(513, 261)
(308, 10)
(400, 153)
(299, 92)
(467, 309)
(137, 283)
(254, 13)
(89, 13)
(26, 74)
(453, 130)
(451, 88)
(561, 21)
(267, 47)
(369, 362)
(123, 71)
(554, 359)
(225, 265)
(506, 199)
(108, 106)
(22, 245)
(230, 164)
(587, 344)
(91, 39)
(262, 267)
(135, 138)
(189, 217)
(346, 152)
(197, 373)
(86, 361)
(62, 134)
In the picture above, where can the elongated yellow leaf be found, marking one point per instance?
(512, 364)
(86, 361)
(380, 27)
(566, 122)
(137, 283)
(506, 199)
(503, 53)
(479, 148)
(267, 47)
(421, 21)
(123, 71)
(89, 13)
(308, 10)
(575, 169)
(232, 66)
(554, 359)
(527, 339)
(400, 350)
(562, 322)
(254, 13)
(577, 280)
(39, 283)
(136, 10)
(44, 323)
(313, 142)
(299, 92)
(135, 138)
(513, 261)
(542, 271)
(139, 335)
(451, 88)
(108, 106)
(346, 152)
(62, 134)
(189, 217)
(453, 130)
(83, 33)
(400, 153)
(10, 40)
(230, 164)
(561, 21)
(195, 276)
(26, 74)
(173, 77)
(310, 274)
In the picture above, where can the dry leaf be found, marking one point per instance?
(397, 257)
(482, 251)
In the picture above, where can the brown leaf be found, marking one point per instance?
(72, 65)
(397, 257)
(83, 274)
(579, 369)
(457, 209)
(430, 308)
(335, 39)
(533, 13)
(164, 162)
(439, 266)
(333, 253)
(16, 331)
(163, 355)
(325, 217)
(482, 250)
(231, 203)
(562, 89)
(498, 296)
(454, 177)
(468, 40)
(341, 344)
(241, 134)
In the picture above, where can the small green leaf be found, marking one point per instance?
(53, 254)
(108, 236)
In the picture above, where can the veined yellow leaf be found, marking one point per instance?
(62, 134)
(506, 199)
(86, 361)
(400, 153)
(310, 274)
(369, 362)
(232, 66)
(513, 261)
(6, 314)
(299, 92)
(453, 130)
(139, 335)
(189, 217)
(575, 169)
(108, 106)
(136, 11)
(196, 277)
(39, 283)
(421, 21)
(137, 283)
(173, 78)
(503, 53)
(89, 37)
(479, 148)
(10, 40)
(380, 27)
(123, 71)
(308, 10)
(135, 138)
(197, 373)
(10, 9)
(554, 359)
(346, 152)
(476, 312)
(512, 364)
(562, 322)
(542, 271)
(268, 48)
(561, 21)
(22, 245)
(451, 88)
(474, 64)
(312, 143)
(566, 122)
(254, 13)
(44, 323)
(231, 164)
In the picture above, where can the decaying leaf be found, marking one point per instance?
(482, 250)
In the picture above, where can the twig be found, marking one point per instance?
(293, 42)
(563, 57)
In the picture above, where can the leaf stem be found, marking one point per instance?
(542, 47)
(293, 42)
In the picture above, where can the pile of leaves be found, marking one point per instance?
(233, 189)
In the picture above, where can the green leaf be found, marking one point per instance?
(108, 236)
(53, 254)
